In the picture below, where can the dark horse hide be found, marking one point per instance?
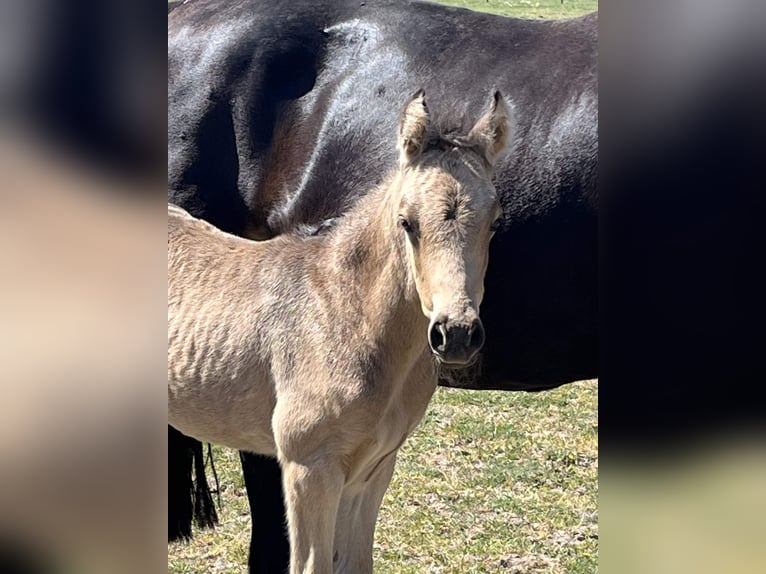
(280, 115)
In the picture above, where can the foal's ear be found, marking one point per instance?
(413, 127)
(493, 130)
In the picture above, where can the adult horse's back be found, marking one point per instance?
(265, 137)
(262, 140)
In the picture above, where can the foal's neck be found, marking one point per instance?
(370, 256)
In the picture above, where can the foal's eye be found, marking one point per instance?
(497, 224)
(405, 224)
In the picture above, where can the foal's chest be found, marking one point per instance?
(393, 424)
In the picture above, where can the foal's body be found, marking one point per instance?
(348, 346)
(356, 383)
(319, 350)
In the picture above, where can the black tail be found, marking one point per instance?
(188, 500)
(20, 558)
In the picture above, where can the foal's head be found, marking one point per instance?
(448, 210)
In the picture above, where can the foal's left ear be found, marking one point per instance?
(413, 127)
(493, 130)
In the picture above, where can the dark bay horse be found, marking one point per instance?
(263, 120)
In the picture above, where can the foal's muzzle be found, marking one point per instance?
(456, 342)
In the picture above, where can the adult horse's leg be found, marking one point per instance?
(187, 500)
(16, 558)
(269, 545)
(357, 516)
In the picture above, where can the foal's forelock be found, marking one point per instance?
(453, 185)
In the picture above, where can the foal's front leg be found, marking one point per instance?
(312, 495)
(357, 517)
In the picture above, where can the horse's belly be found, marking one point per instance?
(256, 440)
(237, 418)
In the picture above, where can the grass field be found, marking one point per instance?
(524, 8)
(528, 8)
(490, 482)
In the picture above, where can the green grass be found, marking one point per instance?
(524, 8)
(528, 8)
(490, 482)
(496, 482)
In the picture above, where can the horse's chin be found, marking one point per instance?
(455, 364)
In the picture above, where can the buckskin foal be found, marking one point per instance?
(320, 350)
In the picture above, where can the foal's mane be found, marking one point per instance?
(448, 129)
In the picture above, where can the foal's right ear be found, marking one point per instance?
(413, 128)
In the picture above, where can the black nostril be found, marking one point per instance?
(437, 337)
(476, 340)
